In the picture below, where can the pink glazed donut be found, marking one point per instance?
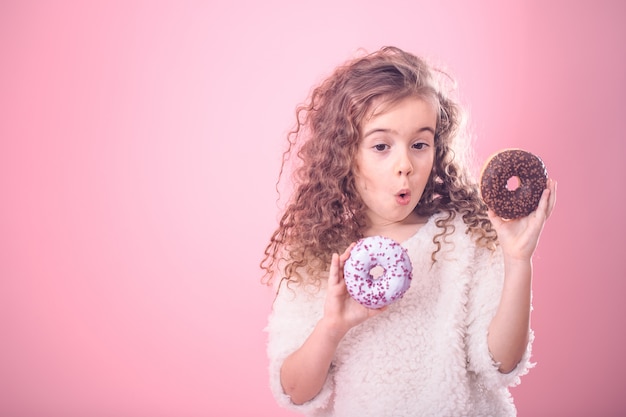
(369, 253)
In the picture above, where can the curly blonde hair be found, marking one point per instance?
(325, 213)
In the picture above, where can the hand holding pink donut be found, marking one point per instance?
(341, 311)
(372, 252)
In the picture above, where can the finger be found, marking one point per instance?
(346, 254)
(552, 198)
(548, 199)
(341, 261)
(542, 207)
(333, 275)
(494, 218)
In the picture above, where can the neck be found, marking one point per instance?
(398, 231)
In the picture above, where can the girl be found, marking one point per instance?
(377, 142)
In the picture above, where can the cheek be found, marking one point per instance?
(360, 179)
(366, 185)
(429, 164)
(361, 184)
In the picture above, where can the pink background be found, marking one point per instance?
(139, 147)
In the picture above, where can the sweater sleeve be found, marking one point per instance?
(294, 315)
(484, 297)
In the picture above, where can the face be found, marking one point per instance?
(394, 160)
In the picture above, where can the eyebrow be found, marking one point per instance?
(377, 130)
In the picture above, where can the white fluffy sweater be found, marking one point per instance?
(426, 355)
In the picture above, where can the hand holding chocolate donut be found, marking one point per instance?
(531, 175)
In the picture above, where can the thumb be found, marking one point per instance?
(333, 275)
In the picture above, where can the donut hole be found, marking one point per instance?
(377, 271)
(513, 183)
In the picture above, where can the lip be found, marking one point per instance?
(403, 197)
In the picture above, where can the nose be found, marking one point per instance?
(404, 166)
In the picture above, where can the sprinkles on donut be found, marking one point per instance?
(530, 173)
(372, 252)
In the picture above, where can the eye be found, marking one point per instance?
(419, 145)
(381, 147)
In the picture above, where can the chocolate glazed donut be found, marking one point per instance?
(530, 174)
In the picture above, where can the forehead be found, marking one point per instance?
(420, 110)
(382, 105)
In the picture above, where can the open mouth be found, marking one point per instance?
(403, 197)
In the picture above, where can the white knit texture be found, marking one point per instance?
(426, 355)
